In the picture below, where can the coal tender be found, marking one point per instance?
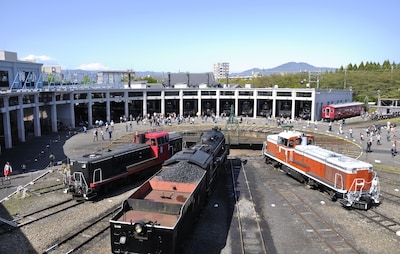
(162, 211)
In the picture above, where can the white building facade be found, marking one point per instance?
(29, 108)
(221, 70)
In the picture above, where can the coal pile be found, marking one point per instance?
(182, 172)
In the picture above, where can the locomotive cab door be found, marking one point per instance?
(153, 146)
(97, 175)
(162, 147)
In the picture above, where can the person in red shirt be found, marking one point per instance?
(7, 170)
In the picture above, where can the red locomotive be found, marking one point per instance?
(97, 172)
(354, 182)
(341, 111)
(160, 213)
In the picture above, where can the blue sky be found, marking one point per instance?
(190, 36)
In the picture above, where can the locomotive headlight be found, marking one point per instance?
(139, 226)
(122, 240)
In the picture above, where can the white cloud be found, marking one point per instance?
(34, 58)
(92, 66)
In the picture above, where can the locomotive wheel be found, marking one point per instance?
(277, 165)
(332, 195)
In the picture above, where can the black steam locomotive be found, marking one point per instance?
(161, 212)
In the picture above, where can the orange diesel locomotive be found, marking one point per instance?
(352, 181)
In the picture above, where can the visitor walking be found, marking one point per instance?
(369, 144)
(102, 134)
(7, 171)
(52, 158)
(394, 148)
(95, 135)
(378, 138)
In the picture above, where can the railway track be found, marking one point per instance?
(250, 231)
(316, 225)
(380, 219)
(390, 197)
(48, 189)
(20, 221)
(83, 235)
(35, 216)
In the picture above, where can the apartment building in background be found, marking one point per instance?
(221, 70)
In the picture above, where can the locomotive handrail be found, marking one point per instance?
(337, 176)
(82, 181)
(95, 174)
(358, 182)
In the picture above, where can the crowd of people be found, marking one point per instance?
(367, 137)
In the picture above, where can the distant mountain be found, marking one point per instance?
(284, 68)
(93, 73)
(290, 67)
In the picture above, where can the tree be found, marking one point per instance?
(361, 66)
(350, 67)
(50, 78)
(386, 65)
(86, 79)
(366, 103)
(150, 79)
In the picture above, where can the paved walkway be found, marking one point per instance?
(380, 153)
(35, 152)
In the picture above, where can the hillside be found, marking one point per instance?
(290, 67)
(367, 80)
(365, 84)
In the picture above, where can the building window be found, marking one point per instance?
(135, 94)
(13, 101)
(264, 93)
(245, 93)
(302, 94)
(4, 79)
(175, 93)
(284, 94)
(208, 93)
(154, 94)
(189, 93)
(228, 93)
